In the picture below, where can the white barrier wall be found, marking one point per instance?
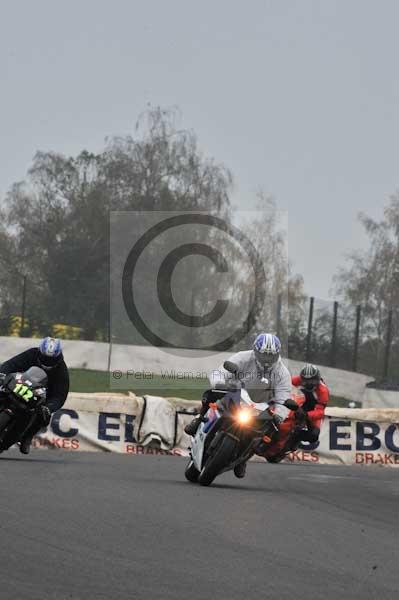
(154, 425)
(380, 398)
(78, 354)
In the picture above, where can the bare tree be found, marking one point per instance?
(371, 278)
(284, 308)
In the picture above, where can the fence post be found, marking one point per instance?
(109, 346)
(388, 344)
(23, 307)
(278, 316)
(334, 335)
(193, 337)
(310, 323)
(357, 334)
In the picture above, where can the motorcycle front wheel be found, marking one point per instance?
(218, 460)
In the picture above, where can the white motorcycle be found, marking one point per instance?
(233, 428)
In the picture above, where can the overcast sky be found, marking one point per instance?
(298, 97)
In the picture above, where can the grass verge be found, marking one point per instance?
(86, 380)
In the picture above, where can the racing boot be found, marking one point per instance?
(24, 445)
(191, 428)
(240, 470)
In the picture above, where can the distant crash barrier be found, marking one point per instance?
(131, 424)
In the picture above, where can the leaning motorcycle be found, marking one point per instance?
(233, 430)
(22, 395)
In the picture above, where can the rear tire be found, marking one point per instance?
(218, 460)
(191, 473)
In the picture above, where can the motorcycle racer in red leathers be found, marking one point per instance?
(303, 425)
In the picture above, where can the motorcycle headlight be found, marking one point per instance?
(244, 416)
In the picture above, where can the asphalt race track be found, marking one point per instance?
(93, 526)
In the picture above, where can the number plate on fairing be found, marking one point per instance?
(23, 391)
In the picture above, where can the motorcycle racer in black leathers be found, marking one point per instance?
(49, 357)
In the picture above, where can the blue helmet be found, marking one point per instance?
(50, 353)
(267, 349)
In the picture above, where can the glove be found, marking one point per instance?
(291, 404)
(45, 415)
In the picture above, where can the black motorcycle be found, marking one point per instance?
(234, 429)
(22, 396)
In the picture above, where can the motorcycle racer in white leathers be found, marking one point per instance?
(264, 375)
